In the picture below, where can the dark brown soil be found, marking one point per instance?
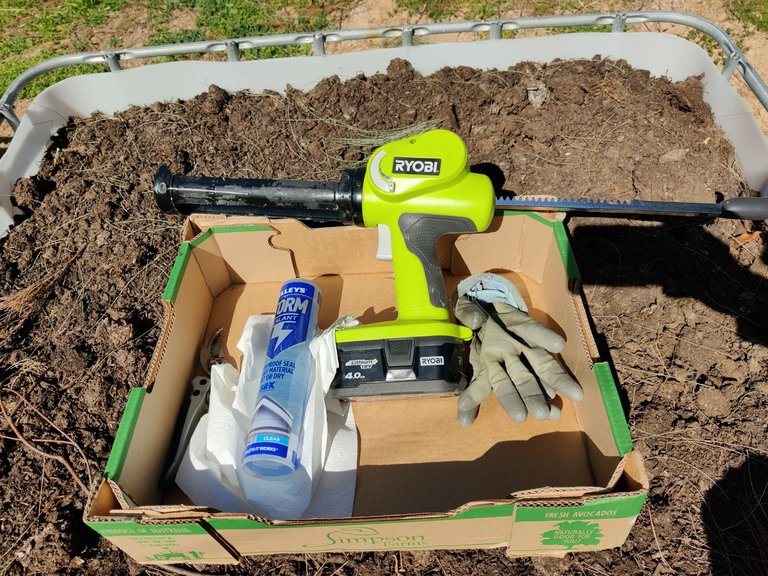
(680, 308)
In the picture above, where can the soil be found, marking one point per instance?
(680, 308)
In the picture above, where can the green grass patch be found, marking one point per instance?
(440, 11)
(435, 10)
(751, 12)
(242, 18)
(32, 31)
(709, 44)
(55, 21)
(575, 29)
(712, 47)
(166, 36)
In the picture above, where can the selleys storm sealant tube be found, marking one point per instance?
(274, 440)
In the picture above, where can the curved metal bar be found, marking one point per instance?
(618, 23)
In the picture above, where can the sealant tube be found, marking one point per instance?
(275, 436)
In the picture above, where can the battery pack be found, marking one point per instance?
(400, 366)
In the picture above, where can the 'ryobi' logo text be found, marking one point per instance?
(432, 361)
(426, 166)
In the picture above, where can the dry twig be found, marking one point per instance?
(63, 461)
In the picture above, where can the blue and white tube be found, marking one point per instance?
(273, 446)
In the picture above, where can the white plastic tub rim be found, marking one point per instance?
(658, 53)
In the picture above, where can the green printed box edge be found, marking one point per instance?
(612, 506)
(613, 408)
(124, 434)
(561, 238)
(584, 527)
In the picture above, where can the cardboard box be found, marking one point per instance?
(422, 480)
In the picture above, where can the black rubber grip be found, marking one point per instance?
(421, 232)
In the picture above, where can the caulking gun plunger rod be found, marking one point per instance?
(322, 201)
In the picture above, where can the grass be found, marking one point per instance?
(31, 31)
(17, 308)
(751, 12)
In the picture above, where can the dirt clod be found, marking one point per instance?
(713, 402)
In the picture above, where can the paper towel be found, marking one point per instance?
(209, 473)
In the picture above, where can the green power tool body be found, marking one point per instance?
(419, 188)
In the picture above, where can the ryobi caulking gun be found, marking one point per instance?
(420, 188)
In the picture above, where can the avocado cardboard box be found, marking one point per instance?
(422, 481)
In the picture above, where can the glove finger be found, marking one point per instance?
(469, 313)
(534, 333)
(467, 417)
(554, 412)
(527, 387)
(506, 393)
(552, 375)
(480, 387)
(468, 406)
(478, 390)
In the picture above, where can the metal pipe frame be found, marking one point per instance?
(735, 61)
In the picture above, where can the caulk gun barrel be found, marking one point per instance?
(322, 201)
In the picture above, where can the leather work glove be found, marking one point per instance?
(503, 334)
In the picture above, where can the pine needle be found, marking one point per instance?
(17, 308)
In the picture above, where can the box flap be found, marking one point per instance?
(138, 456)
(197, 224)
(635, 476)
(101, 500)
(330, 250)
(173, 542)
(264, 260)
(560, 526)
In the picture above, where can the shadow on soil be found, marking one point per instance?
(684, 258)
(735, 516)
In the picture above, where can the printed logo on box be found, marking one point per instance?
(175, 556)
(572, 534)
(368, 538)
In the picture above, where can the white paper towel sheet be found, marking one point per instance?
(209, 472)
